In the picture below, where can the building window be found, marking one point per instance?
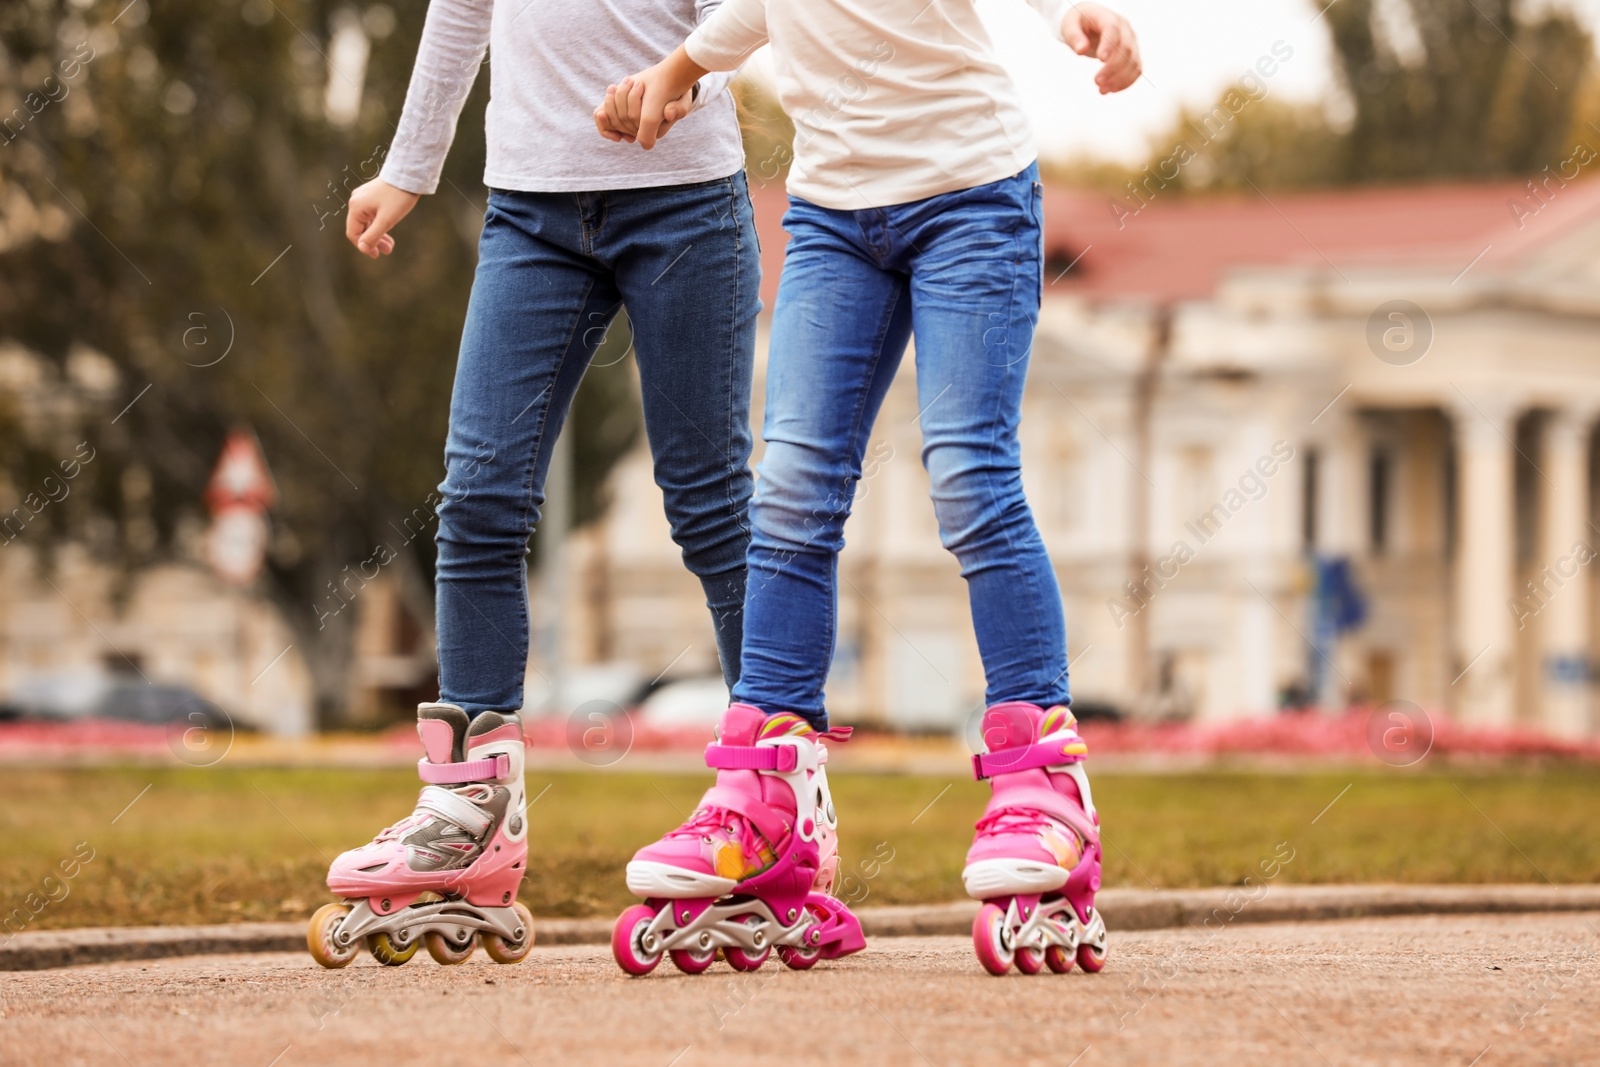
(1380, 467)
(1308, 501)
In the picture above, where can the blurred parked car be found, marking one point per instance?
(120, 697)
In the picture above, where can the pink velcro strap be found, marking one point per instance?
(766, 818)
(1053, 753)
(472, 770)
(781, 758)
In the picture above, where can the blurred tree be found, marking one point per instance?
(176, 202)
(1431, 89)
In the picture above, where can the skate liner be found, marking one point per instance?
(446, 876)
(751, 871)
(1035, 860)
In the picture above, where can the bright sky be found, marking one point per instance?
(1191, 50)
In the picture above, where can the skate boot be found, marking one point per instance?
(447, 874)
(751, 870)
(1035, 861)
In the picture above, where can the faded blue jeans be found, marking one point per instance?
(961, 271)
(553, 269)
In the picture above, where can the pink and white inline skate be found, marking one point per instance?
(751, 870)
(1035, 861)
(447, 874)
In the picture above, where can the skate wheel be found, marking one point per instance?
(799, 959)
(320, 934)
(988, 939)
(739, 959)
(502, 951)
(1029, 960)
(625, 941)
(690, 962)
(1058, 959)
(1091, 957)
(446, 952)
(386, 952)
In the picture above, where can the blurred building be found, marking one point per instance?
(1319, 448)
(73, 627)
(1331, 447)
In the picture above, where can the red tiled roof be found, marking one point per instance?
(1180, 247)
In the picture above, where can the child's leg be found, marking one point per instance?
(975, 300)
(689, 269)
(523, 352)
(527, 341)
(975, 288)
(752, 866)
(838, 331)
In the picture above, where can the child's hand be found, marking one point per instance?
(612, 119)
(646, 105)
(375, 209)
(1091, 30)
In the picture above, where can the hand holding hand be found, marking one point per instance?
(375, 208)
(1092, 30)
(646, 105)
(611, 118)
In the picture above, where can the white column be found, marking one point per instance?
(1341, 531)
(1557, 596)
(1342, 488)
(1481, 693)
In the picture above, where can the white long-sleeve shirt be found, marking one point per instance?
(892, 100)
(552, 62)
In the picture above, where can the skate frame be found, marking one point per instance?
(457, 920)
(1050, 923)
(715, 927)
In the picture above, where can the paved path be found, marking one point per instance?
(1449, 990)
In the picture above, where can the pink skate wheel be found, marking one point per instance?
(691, 962)
(1029, 960)
(988, 939)
(625, 936)
(738, 958)
(1090, 958)
(1058, 959)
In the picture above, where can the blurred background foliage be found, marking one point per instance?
(1429, 89)
(221, 231)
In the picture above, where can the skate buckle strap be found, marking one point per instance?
(472, 770)
(781, 758)
(1053, 752)
(452, 808)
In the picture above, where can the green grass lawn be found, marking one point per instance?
(220, 844)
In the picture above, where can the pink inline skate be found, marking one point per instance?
(752, 868)
(448, 873)
(1035, 862)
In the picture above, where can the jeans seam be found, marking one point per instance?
(855, 434)
(1027, 573)
(542, 438)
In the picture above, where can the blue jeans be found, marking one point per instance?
(553, 268)
(962, 271)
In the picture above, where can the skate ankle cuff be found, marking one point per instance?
(472, 770)
(1063, 749)
(781, 758)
